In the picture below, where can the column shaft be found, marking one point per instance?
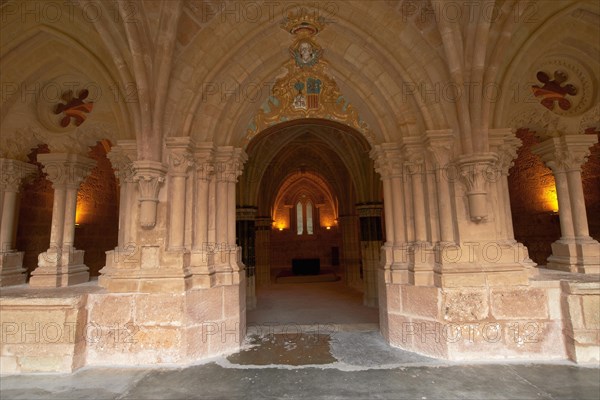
(564, 205)
(398, 213)
(201, 230)
(444, 208)
(7, 228)
(58, 217)
(576, 197)
(418, 207)
(177, 213)
(221, 222)
(70, 213)
(388, 210)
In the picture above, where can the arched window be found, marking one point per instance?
(309, 219)
(299, 220)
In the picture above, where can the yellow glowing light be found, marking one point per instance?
(328, 227)
(550, 199)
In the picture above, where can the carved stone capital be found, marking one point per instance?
(13, 172)
(149, 175)
(204, 154)
(180, 156)
(229, 163)
(388, 160)
(505, 144)
(66, 169)
(439, 144)
(565, 153)
(121, 158)
(475, 172)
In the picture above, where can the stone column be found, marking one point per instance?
(575, 251)
(421, 260)
(440, 146)
(262, 229)
(149, 176)
(180, 161)
(349, 228)
(62, 265)
(201, 270)
(122, 157)
(229, 162)
(370, 245)
(12, 174)
(245, 228)
(388, 163)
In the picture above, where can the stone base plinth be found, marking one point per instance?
(43, 330)
(581, 306)
(474, 323)
(11, 268)
(571, 256)
(63, 329)
(59, 269)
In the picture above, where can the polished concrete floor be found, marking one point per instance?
(309, 354)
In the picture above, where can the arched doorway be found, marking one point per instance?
(316, 203)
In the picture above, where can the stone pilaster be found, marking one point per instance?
(420, 253)
(122, 157)
(575, 251)
(180, 161)
(62, 264)
(201, 271)
(12, 174)
(394, 258)
(229, 162)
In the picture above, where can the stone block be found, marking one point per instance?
(573, 312)
(591, 311)
(158, 309)
(462, 305)
(8, 365)
(45, 363)
(420, 300)
(111, 309)
(393, 298)
(204, 305)
(519, 303)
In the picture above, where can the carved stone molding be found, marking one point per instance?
(121, 158)
(13, 172)
(229, 163)
(66, 169)
(204, 162)
(565, 153)
(475, 172)
(505, 144)
(149, 175)
(246, 213)
(180, 157)
(388, 160)
(440, 146)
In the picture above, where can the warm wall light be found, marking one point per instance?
(328, 227)
(550, 199)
